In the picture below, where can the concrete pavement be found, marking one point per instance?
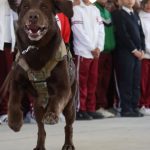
(105, 134)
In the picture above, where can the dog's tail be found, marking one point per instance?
(4, 90)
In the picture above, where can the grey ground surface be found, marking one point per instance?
(105, 134)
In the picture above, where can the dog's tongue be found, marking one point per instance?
(33, 28)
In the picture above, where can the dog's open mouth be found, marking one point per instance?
(35, 32)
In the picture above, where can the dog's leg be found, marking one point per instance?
(69, 113)
(54, 109)
(15, 115)
(39, 113)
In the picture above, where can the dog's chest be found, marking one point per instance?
(38, 79)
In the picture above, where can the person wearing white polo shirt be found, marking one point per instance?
(7, 44)
(88, 42)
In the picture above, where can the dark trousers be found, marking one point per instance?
(104, 76)
(6, 59)
(128, 72)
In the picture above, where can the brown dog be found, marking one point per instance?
(42, 69)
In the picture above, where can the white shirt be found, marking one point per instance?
(127, 9)
(7, 17)
(88, 30)
(145, 20)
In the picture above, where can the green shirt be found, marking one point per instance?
(109, 30)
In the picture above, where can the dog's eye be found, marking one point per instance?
(43, 6)
(26, 7)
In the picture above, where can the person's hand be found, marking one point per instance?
(96, 53)
(142, 56)
(76, 2)
(139, 54)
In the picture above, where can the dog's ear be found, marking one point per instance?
(64, 6)
(14, 4)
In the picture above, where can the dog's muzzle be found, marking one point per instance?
(35, 32)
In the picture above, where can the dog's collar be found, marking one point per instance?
(29, 48)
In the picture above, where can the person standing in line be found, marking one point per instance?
(145, 86)
(76, 2)
(105, 67)
(88, 42)
(7, 44)
(137, 5)
(130, 45)
(110, 5)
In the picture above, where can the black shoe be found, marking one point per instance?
(131, 114)
(95, 115)
(137, 112)
(83, 116)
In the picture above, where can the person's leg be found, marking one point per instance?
(6, 59)
(91, 90)
(148, 88)
(104, 74)
(136, 88)
(144, 103)
(136, 84)
(9, 58)
(103, 84)
(111, 94)
(3, 67)
(124, 65)
(3, 73)
(82, 65)
(91, 86)
(83, 69)
(145, 86)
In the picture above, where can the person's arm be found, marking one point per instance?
(101, 34)
(138, 54)
(125, 37)
(121, 31)
(79, 31)
(142, 37)
(65, 6)
(66, 29)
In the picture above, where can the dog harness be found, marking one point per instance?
(38, 78)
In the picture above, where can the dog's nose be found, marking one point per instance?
(33, 17)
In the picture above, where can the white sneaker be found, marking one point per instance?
(105, 113)
(4, 119)
(145, 111)
(29, 118)
(61, 118)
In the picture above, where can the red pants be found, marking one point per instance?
(104, 76)
(145, 85)
(6, 59)
(87, 71)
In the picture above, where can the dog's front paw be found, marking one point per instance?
(15, 126)
(68, 147)
(50, 118)
(15, 120)
(39, 148)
